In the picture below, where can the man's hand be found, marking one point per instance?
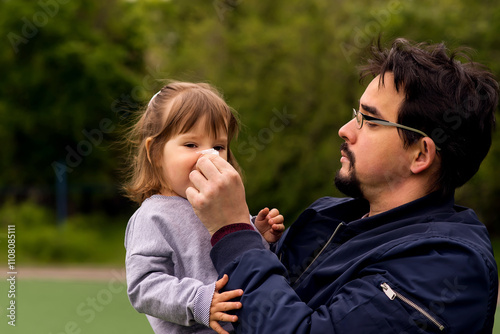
(218, 195)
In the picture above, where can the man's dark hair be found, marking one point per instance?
(453, 102)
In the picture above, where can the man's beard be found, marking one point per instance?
(348, 184)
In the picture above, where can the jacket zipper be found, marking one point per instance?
(391, 294)
(321, 251)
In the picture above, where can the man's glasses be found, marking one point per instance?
(360, 118)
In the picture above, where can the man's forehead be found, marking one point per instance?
(382, 100)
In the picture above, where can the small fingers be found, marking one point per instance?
(274, 212)
(278, 228)
(263, 213)
(221, 283)
(279, 219)
(228, 295)
(217, 327)
(225, 307)
(219, 316)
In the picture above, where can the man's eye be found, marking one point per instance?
(371, 124)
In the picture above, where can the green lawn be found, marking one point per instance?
(50, 307)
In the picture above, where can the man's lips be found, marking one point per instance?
(346, 154)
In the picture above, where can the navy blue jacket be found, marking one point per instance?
(424, 267)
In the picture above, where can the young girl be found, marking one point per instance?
(170, 275)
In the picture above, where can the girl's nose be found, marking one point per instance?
(209, 151)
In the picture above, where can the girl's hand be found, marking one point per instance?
(270, 224)
(220, 305)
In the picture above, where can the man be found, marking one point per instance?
(399, 257)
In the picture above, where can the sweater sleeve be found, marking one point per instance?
(153, 288)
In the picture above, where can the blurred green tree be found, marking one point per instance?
(288, 67)
(69, 71)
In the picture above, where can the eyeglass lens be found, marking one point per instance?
(358, 117)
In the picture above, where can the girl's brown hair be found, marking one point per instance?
(175, 109)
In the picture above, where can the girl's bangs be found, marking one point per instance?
(193, 107)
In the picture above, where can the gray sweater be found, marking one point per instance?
(170, 275)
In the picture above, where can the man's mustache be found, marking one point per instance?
(344, 148)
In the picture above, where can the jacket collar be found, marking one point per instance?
(422, 209)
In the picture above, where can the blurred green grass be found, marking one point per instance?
(70, 307)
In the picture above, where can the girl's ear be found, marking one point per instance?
(149, 140)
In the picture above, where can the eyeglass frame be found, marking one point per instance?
(384, 122)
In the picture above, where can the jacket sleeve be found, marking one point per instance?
(151, 285)
(362, 305)
(270, 305)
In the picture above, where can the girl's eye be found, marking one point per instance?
(219, 148)
(190, 145)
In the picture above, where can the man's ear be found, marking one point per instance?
(149, 140)
(425, 154)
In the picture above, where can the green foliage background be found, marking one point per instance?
(288, 67)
